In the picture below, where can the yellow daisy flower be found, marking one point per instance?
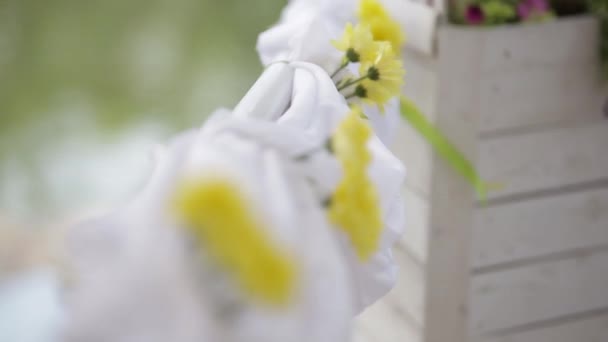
(358, 43)
(354, 206)
(382, 25)
(215, 212)
(384, 77)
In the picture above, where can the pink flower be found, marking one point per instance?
(474, 15)
(528, 9)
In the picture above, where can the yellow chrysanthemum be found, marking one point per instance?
(357, 43)
(385, 77)
(354, 205)
(219, 217)
(382, 25)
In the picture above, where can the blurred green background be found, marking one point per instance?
(86, 87)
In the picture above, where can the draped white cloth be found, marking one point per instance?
(154, 272)
(30, 306)
(138, 278)
(304, 33)
(315, 108)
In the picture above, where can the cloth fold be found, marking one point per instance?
(304, 34)
(149, 262)
(315, 111)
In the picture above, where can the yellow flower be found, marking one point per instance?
(382, 26)
(385, 77)
(218, 216)
(354, 206)
(357, 43)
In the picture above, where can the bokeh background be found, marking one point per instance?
(86, 88)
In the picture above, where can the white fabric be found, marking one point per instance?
(125, 259)
(137, 277)
(30, 307)
(316, 109)
(304, 33)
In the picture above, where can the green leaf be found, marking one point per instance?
(444, 147)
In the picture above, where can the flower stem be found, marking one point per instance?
(351, 95)
(342, 66)
(355, 81)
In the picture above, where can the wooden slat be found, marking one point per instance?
(539, 74)
(451, 197)
(381, 323)
(418, 21)
(564, 41)
(538, 227)
(421, 81)
(509, 298)
(415, 239)
(415, 153)
(408, 296)
(585, 330)
(408, 146)
(547, 159)
(541, 94)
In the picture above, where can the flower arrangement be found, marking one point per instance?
(497, 12)
(275, 218)
(600, 9)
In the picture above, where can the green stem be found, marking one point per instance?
(353, 94)
(350, 83)
(445, 148)
(342, 66)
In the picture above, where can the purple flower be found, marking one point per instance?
(474, 15)
(528, 9)
(524, 10)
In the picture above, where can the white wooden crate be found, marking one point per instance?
(531, 265)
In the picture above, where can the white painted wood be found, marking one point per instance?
(409, 146)
(415, 239)
(451, 197)
(432, 292)
(546, 160)
(567, 41)
(518, 97)
(530, 93)
(539, 74)
(416, 155)
(408, 296)
(381, 323)
(584, 330)
(537, 227)
(421, 81)
(418, 21)
(508, 298)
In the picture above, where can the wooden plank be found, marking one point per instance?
(421, 81)
(537, 292)
(418, 21)
(532, 228)
(416, 155)
(415, 239)
(408, 296)
(541, 94)
(585, 330)
(546, 160)
(381, 323)
(565, 41)
(451, 197)
(408, 146)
